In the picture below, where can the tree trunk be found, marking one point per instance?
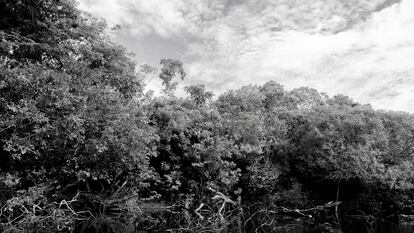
(336, 207)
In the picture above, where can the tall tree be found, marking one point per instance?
(68, 106)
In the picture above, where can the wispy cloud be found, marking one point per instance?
(360, 48)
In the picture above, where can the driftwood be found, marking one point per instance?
(224, 198)
(406, 218)
(267, 217)
(305, 213)
(296, 213)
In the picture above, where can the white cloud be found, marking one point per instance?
(360, 48)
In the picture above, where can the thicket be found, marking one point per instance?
(83, 147)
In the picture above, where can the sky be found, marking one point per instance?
(360, 48)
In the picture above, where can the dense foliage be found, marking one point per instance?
(77, 130)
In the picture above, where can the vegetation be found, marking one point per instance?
(81, 140)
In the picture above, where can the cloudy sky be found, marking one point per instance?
(361, 48)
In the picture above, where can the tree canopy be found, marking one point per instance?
(74, 118)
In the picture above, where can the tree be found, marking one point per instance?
(69, 98)
(274, 93)
(170, 70)
(306, 98)
(199, 94)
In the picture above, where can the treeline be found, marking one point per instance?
(79, 138)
